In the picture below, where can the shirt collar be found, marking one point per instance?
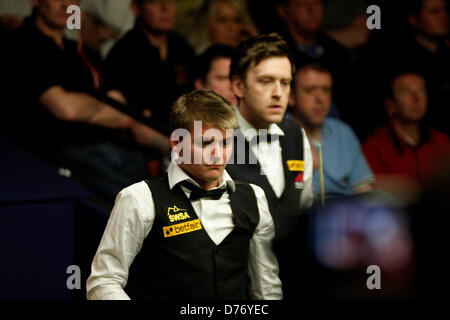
(177, 175)
(245, 127)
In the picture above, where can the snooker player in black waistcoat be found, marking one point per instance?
(269, 151)
(193, 233)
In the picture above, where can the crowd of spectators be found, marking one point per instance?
(97, 101)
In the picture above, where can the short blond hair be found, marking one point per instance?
(202, 105)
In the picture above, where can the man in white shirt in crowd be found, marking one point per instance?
(279, 159)
(193, 233)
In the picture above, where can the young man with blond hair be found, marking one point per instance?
(193, 233)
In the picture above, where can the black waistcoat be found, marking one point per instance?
(285, 210)
(178, 259)
(287, 207)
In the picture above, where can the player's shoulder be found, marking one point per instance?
(291, 127)
(135, 190)
(258, 191)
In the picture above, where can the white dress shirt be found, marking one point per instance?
(131, 221)
(269, 156)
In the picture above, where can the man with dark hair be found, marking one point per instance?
(213, 71)
(194, 233)
(402, 155)
(52, 109)
(345, 169)
(151, 65)
(261, 75)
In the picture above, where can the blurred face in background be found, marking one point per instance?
(409, 103)
(157, 15)
(53, 12)
(224, 24)
(302, 16)
(432, 19)
(312, 96)
(218, 79)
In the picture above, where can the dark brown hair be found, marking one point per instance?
(256, 49)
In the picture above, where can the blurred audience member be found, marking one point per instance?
(52, 111)
(428, 51)
(303, 20)
(12, 13)
(104, 21)
(213, 71)
(151, 65)
(421, 47)
(225, 22)
(403, 154)
(345, 169)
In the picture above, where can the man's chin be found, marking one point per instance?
(275, 118)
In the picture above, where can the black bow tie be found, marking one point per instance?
(198, 193)
(266, 137)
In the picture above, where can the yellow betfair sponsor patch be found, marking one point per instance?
(181, 228)
(295, 165)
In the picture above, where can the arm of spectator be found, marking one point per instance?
(149, 137)
(143, 134)
(77, 106)
(117, 95)
(363, 187)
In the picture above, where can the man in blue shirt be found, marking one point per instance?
(346, 171)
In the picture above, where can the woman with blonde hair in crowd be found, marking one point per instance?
(225, 22)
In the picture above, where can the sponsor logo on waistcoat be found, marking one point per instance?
(182, 228)
(299, 166)
(177, 214)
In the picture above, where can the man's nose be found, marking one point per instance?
(320, 97)
(276, 92)
(214, 154)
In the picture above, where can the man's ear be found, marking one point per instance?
(198, 83)
(238, 86)
(389, 104)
